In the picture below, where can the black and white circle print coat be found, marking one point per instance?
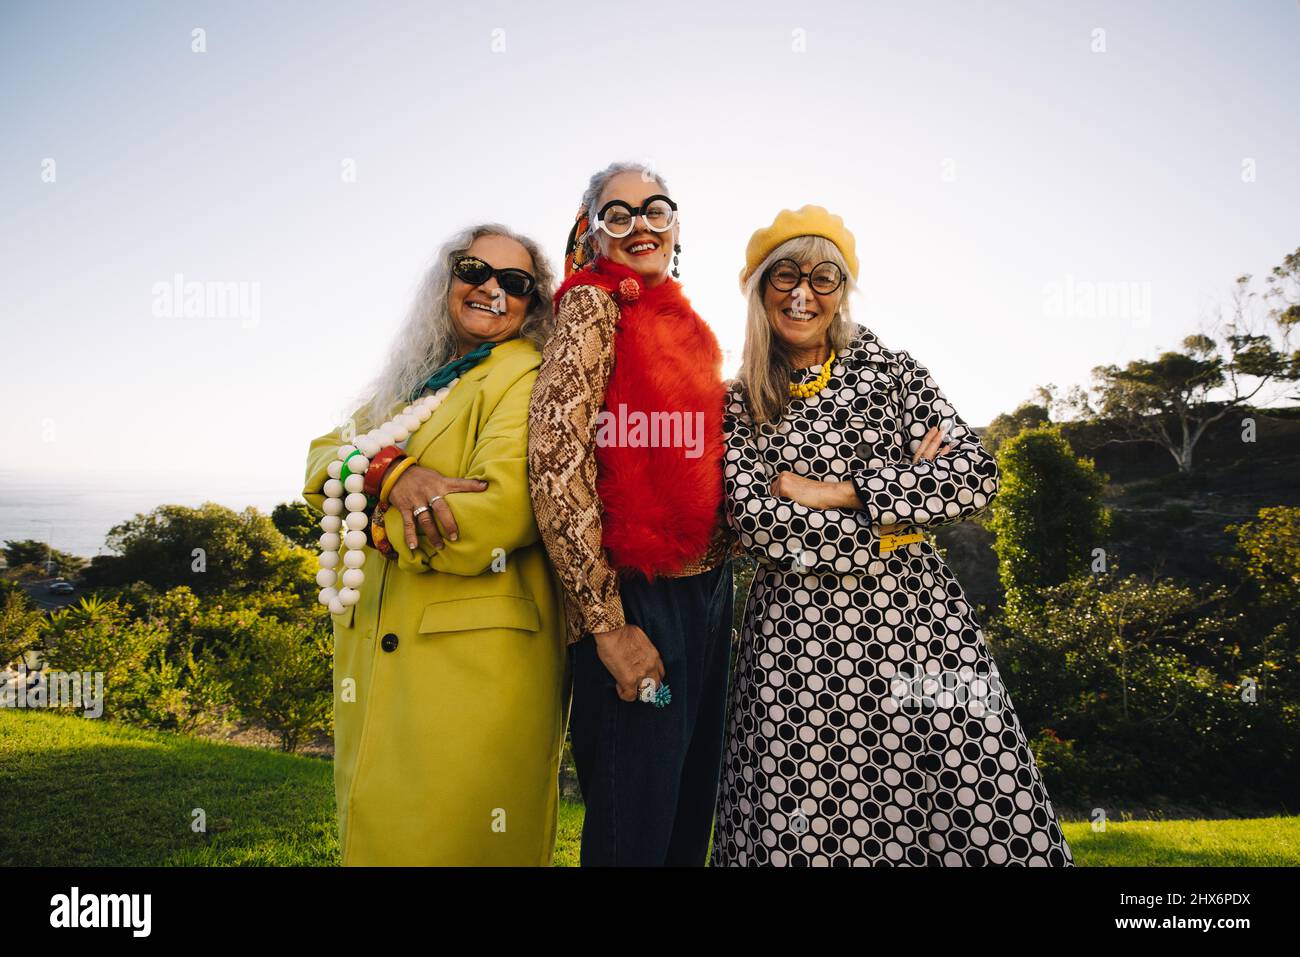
(867, 723)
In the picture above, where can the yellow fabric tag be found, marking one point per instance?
(889, 542)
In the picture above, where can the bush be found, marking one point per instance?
(1269, 554)
(1147, 689)
(99, 636)
(1175, 515)
(1062, 764)
(20, 625)
(180, 697)
(282, 675)
(1047, 516)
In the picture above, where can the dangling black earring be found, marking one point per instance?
(677, 248)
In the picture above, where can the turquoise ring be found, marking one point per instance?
(659, 696)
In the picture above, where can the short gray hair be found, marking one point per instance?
(597, 185)
(427, 338)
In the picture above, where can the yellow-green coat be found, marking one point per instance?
(447, 747)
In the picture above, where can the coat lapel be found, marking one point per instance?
(865, 349)
(461, 395)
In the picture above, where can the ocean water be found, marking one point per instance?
(74, 513)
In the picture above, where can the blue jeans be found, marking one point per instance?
(649, 776)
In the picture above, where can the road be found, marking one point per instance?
(43, 599)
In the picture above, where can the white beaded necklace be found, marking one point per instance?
(396, 431)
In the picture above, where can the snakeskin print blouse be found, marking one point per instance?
(568, 395)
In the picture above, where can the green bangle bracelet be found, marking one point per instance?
(345, 471)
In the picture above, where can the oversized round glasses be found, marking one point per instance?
(476, 271)
(824, 278)
(619, 218)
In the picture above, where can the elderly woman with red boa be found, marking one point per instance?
(625, 472)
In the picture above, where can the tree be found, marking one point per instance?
(1269, 554)
(211, 549)
(1268, 559)
(1028, 415)
(298, 523)
(28, 551)
(1047, 517)
(1283, 295)
(1172, 400)
(29, 573)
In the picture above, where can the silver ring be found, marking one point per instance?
(416, 512)
(646, 690)
(434, 499)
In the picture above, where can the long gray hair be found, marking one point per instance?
(427, 338)
(764, 366)
(597, 185)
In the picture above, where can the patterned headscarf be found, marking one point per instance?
(575, 252)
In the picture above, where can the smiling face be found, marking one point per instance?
(643, 250)
(801, 317)
(486, 313)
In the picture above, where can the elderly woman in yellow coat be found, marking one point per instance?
(449, 657)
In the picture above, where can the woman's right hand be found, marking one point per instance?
(414, 488)
(928, 449)
(629, 656)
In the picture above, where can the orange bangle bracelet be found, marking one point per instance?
(384, 458)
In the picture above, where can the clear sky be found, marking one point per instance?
(984, 154)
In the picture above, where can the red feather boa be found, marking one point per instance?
(660, 504)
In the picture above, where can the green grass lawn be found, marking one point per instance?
(79, 792)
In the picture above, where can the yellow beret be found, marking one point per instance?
(806, 221)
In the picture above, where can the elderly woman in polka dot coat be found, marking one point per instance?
(867, 722)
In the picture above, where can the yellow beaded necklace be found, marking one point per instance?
(808, 389)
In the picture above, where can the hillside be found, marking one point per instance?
(1164, 524)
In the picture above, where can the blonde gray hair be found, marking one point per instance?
(765, 367)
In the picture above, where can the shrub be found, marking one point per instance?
(1047, 516)
(281, 674)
